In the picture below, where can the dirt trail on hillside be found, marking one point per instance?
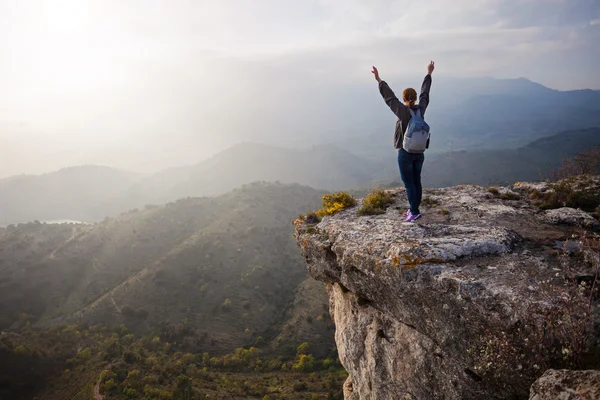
(74, 234)
(97, 395)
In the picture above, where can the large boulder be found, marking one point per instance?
(471, 302)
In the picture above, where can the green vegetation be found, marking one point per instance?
(376, 202)
(493, 191)
(200, 275)
(574, 192)
(509, 196)
(312, 217)
(503, 196)
(335, 202)
(444, 211)
(127, 366)
(430, 201)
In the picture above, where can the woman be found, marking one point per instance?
(410, 164)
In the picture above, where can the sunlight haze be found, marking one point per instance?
(146, 85)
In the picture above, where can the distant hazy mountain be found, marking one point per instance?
(92, 193)
(529, 163)
(76, 193)
(322, 167)
(467, 114)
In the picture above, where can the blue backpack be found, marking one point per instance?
(416, 137)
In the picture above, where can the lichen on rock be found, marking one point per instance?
(567, 385)
(462, 305)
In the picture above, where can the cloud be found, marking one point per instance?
(87, 72)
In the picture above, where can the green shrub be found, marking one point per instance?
(376, 202)
(305, 363)
(503, 196)
(303, 348)
(227, 304)
(21, 350)
(335, 202)
(429, 201)
(571, 193)
(312, 217)
(509, 196)
(130, 393)
(299, 387)
(128, 311)
(84, 354)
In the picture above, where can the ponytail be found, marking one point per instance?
(410, 95)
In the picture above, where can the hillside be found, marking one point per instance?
(77, 193)
(250, 162)
(51, 196)
(470, 114)
(226, 265)
(529, 163)
(208, 274)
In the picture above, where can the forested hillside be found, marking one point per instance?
(209, 274)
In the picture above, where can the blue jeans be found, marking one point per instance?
(410, 170)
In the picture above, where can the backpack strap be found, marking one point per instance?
(413, 113)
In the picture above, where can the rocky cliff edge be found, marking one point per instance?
(474, 301)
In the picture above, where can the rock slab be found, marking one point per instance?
(461, 305)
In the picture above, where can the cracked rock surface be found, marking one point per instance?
(450, 307)
(567, 385)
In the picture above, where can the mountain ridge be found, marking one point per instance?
(327, 167)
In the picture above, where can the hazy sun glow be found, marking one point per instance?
(84, 73)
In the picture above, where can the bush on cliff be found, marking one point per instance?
(376, 202)
(575, 192)
(335, 202)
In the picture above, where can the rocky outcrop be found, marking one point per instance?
(471, 302)
(567, 385)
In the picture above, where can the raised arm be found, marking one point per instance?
(424, 96)
(388, 95)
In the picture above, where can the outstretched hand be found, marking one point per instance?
(376, 73)
(430, 67)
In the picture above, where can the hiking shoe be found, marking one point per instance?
(405, 214)
(412, 218)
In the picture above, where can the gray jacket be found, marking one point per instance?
(401, 111)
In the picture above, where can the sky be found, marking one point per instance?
(144, 84)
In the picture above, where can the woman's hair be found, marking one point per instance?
(410, 95)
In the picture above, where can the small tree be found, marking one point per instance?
(128, 311)
(302, 349)
(585, 162)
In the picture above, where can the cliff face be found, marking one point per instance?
(471, 302)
